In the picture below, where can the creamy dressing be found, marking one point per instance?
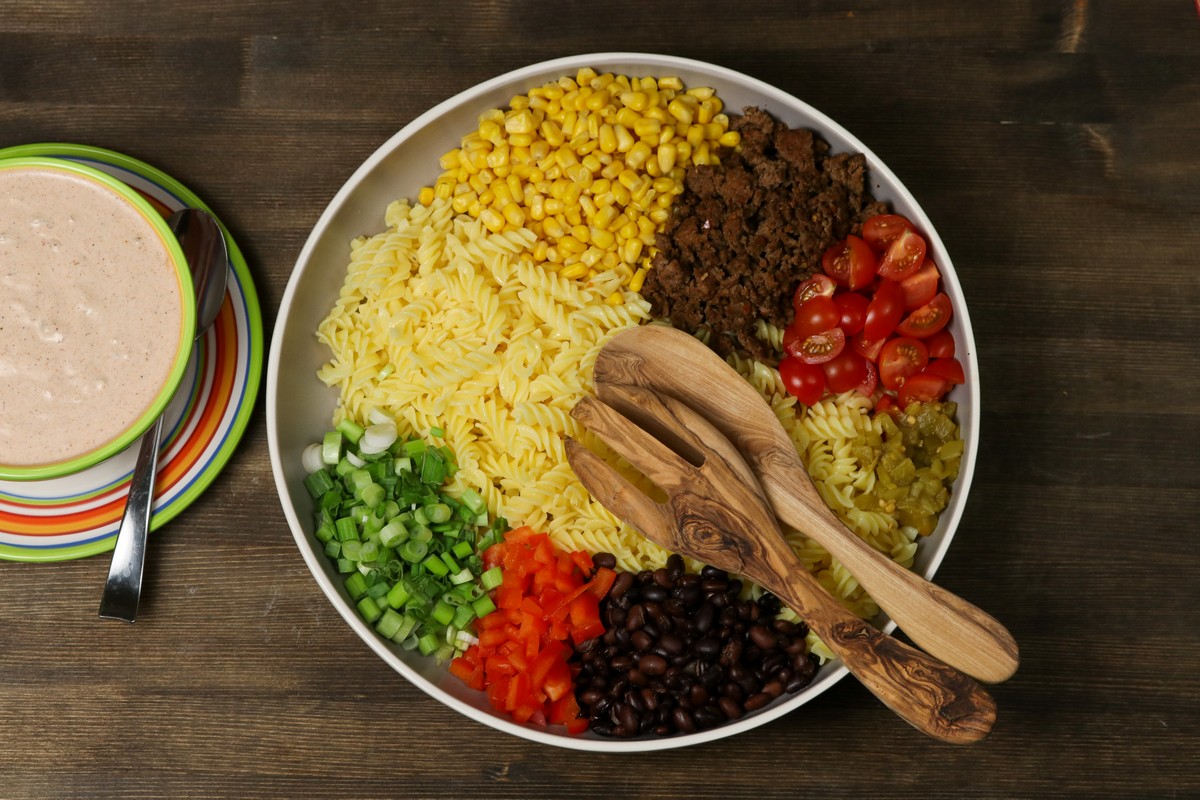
(91, 315)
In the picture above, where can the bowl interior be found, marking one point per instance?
(299, 407)
(179, 362)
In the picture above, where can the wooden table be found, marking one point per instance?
(1056, 146)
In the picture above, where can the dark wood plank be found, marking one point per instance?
(1055, 147)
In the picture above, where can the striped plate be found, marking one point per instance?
(78, 515)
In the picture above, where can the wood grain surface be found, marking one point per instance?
(1056, 146)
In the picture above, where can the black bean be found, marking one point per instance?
(733, 692)
(591, 697)
(621, 732)
(645, 576)
(773, 688)
(698, 695)
(621, 663)
(705, 617)
(605, 560)
(708, 717)
(731, 653)
(797, 683)
(762, 636)
(675, 608)
(784, 626)
(755, 702)
(614, 617)
(638, 678)
(672, 643)
(713, 572)
(635, 618)
(655, 593)
(653, 664)
(621, 585)
(622, 637)
(641, 640)
(602, 728)
(730, 707)
(635, 701)
(707, 647)
(689, 593)
(663, 578)
(650, 698)
(675, 566)
(714, 585)
(684, 722)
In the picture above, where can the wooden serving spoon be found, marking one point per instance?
(716, 513)
(672, 362)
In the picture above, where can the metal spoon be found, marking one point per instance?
(203, 244)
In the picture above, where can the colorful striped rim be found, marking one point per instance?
(78, 515)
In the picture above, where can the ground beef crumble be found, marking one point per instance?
(744, 233)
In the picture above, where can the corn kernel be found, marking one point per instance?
(631, 251)
(513, 215)
(608, 138)
(647, 128)
(701, 92)
(591, 257)
(639, 278)
(601, 238)
(425, 196)
(554, 205)
(492, 220)
(541, 249)
(666, 157)
(577, 270)
(604, 217)
(614, 299)
(664, 184)
(635, 100)
(730, 139)
(637, 155)
(460, 203)
(625, 139)
(670, 82)
(553, 228)
(610, 261)
(489, 130)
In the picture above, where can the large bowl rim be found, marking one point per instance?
(568, 65)
(183, 276)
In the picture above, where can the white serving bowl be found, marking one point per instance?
(300, 407)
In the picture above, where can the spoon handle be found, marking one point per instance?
(939, 621)
(936, 699)
(123, 589)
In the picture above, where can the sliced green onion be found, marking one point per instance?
(413, 550)
(351, 430)
(483, 606)
(435, 565)
(356, 586)
(438, 432)
(389, 624)
(318, 483)
(369, 609)
(491, 579)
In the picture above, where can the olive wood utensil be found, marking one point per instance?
(716, 513)
(672, 362)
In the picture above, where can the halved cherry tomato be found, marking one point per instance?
(867, 387)
(949, 368)
(820, 347)
(903, 257)
(850, 263)
(867, 348)
(922, 388)
(816, 314)
(845, 372)
(881, 230)
(884, 311)
(885, 404)
(920, 287)
(853, 308)
(899, 359)
(941, 344)
(805, 382)
(817, 284)
(926, 320)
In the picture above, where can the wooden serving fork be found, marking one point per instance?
(716, 513)
(671, 362)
